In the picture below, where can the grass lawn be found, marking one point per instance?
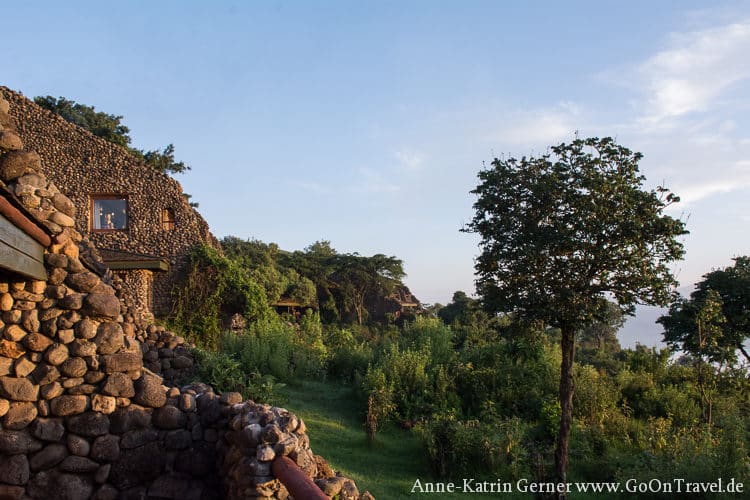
(387, 468)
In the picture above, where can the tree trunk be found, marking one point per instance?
(567, 343)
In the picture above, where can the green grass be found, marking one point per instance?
(386, 468)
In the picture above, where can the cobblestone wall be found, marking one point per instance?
(84, 412)
(81, 165)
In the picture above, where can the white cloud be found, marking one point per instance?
(694, 71)
(735, 176)
(538, 127)
(410, 159)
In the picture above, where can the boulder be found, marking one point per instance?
(14, 470)
(149, 391)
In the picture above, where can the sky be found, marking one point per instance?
(365, 123)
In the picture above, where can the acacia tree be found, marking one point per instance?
(730, 289)
(564, 232)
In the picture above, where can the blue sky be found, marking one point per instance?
(365, 123)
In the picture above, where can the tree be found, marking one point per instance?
(110, 128)
(563, 233)
(100, 124)
(729, 289)
(358, 277)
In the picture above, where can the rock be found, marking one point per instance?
(5, 366)
(72, 301)
(18, 442)
(37, 342)
(74, 367)
(48, 429)
(198, 461)
(118, 385)
(14, 470)
(15, 164)
(149, 391)
(130, 418)
(45, 374)
(51, 390)
(84, 281)
(137, 466)
(331, 486)
(62, 220)
(265, 453)
(184, 362)
(79, 465)
(186, 402)
(23, 367)
(70, 383)
(231, 398)
(106, 448)
(56, 354)
(78, 445)
(50, 456)
(14, 332)
(178, 440)
(107, 492)
(103, 404)
(63, 406)
(169, 417)
(73, 487)
(18, 389)
(82, 348)
(86, 329)
(173, 487)
(10, 349)
(57, 260)
(209, 408)
(30, 320)
(109, 338)
(10, 141)
(4, 406)
(65, 336)
(88, 424)
(102, 305)
(137, 438)
(102, 474)
(63, 204)
(122, 362)
(94, 377)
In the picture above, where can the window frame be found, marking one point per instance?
(93, 198)
(168, 219)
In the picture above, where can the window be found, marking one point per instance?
(167, 219)
(110, 213)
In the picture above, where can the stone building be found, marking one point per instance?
(88, 405)
(136, 216)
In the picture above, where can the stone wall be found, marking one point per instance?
(84, 412)
(81, 164)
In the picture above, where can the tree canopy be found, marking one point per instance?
(564, 232)
(725, 294)
(111, 128)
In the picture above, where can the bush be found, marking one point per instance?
(215, 287)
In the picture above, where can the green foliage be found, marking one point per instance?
(714, 323)
(225, 373)
(110, 128)
(104, 125)
(560, 230)
(214, 288)
(561, 233)
(459, 448)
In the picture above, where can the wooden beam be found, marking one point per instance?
(19, 252)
